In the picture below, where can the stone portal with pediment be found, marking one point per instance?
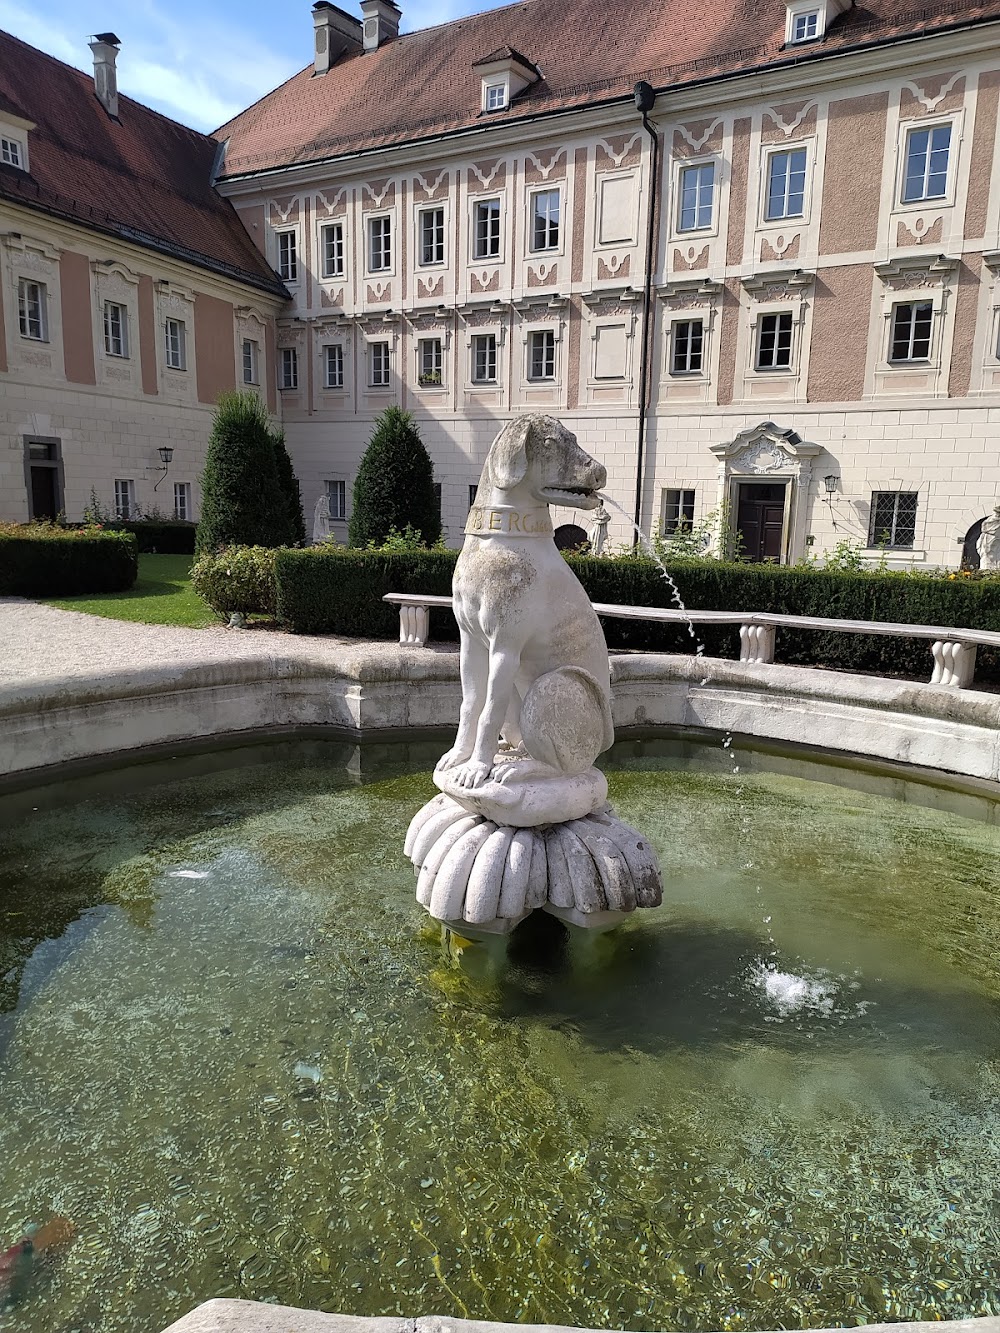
(770, 454)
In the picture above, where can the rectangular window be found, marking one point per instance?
(378, 365)
(484, 358)
(686, 348)
(912, 324)
(894, 519)
(542, 355)
(379, 244)
(288, 368)
(927, 153)
(487, 243)
(332, 236)
(182, 500)
(697, 197)
(115, 329)
(336, 493)
(437, 496)
(786, 185)
(774, 341)
(175, 348)
(124, 498)
(10, 153)
(31, 309)
(805, 27)
(496, 96)
(678, 511)
(545, 220)
(288, 262)
(473, 492)
(432, 236)
(429, 360)
(251, 362)
(333, 366)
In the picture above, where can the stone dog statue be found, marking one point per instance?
(534, 661)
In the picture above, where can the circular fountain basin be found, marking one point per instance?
(237, 1057)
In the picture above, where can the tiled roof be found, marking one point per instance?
(424, 83)
(146, 178)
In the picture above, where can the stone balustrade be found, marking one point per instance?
(953, 650)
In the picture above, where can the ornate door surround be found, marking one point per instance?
(769, 453)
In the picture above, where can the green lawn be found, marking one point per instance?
(162, 595)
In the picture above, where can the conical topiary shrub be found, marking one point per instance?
(290, 487)
(242, 500)
(395, 484)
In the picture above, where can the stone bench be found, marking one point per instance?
(953, 650)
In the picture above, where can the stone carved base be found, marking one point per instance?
(480, 877)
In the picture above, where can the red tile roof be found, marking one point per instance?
(424, 83)
(146, 178)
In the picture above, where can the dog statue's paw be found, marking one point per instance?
(471, 774)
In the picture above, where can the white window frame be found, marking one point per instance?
(442, 241)
(485, 203)
(683, 505)
(485, 338)
(175, 350)
(911, 360)
(534, 335)
(801, 21)
(786, 150)
(336, 489)
(384, 221)
(12, 153)
(906, 129)
(288, 369)
(288, 262)
(496, 95)
(533, 197)
(430, 362)
(182, 490)
(24, 316)
(333, 266)
(125, 505)
(773, 369)
(682, 169)
(688, 372)
(253, 346)
(331, 363)
(379, 350)
(116, 345)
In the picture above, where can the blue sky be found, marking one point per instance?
(199, 61)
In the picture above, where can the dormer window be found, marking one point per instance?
(11, 152)
(496, 96)
(503, 73)
(808, 20)
(805, 27)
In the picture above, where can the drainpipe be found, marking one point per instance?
(645, 96)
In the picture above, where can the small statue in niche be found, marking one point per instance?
(988, 544)
(599, 532)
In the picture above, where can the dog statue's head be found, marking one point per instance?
(538, 453)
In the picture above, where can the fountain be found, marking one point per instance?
(522, 820)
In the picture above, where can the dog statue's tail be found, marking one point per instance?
(566, 720)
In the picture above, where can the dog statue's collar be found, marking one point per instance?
(508, 521)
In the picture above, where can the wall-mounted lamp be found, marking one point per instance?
(166, 454)
(832, 484)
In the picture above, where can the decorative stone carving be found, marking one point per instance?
(522, 820)
(988, 544)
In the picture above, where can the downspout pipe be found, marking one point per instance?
(645, 96)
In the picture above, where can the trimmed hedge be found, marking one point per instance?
(39, 560)
(323, 590)
(237, 578)
(160, 536)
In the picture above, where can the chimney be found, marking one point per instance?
(105, 48)
(380, 20)
(336, 34)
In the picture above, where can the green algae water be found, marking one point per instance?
(234, 1054)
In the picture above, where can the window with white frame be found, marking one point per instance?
(487, 228)
(893, 520)
(696, 197)
(332, 246)
(379, 244)
(910, 331)
(336, 494)
(378, 365)
(124, 498)
(182, 500)
(805, 27)
(687, 345)
(484, 358)
(251, 361)
(288, 368)
(32, 309)
(678, 511)
(11, 152)
(774, 341)
(429, 361)
(333, 366)
(432, 236)
(786, 185)
(115, 329)
(545, 220)
(496, 96)
(927, 155)
(288, 260)
(175, 340)
(542, 355)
